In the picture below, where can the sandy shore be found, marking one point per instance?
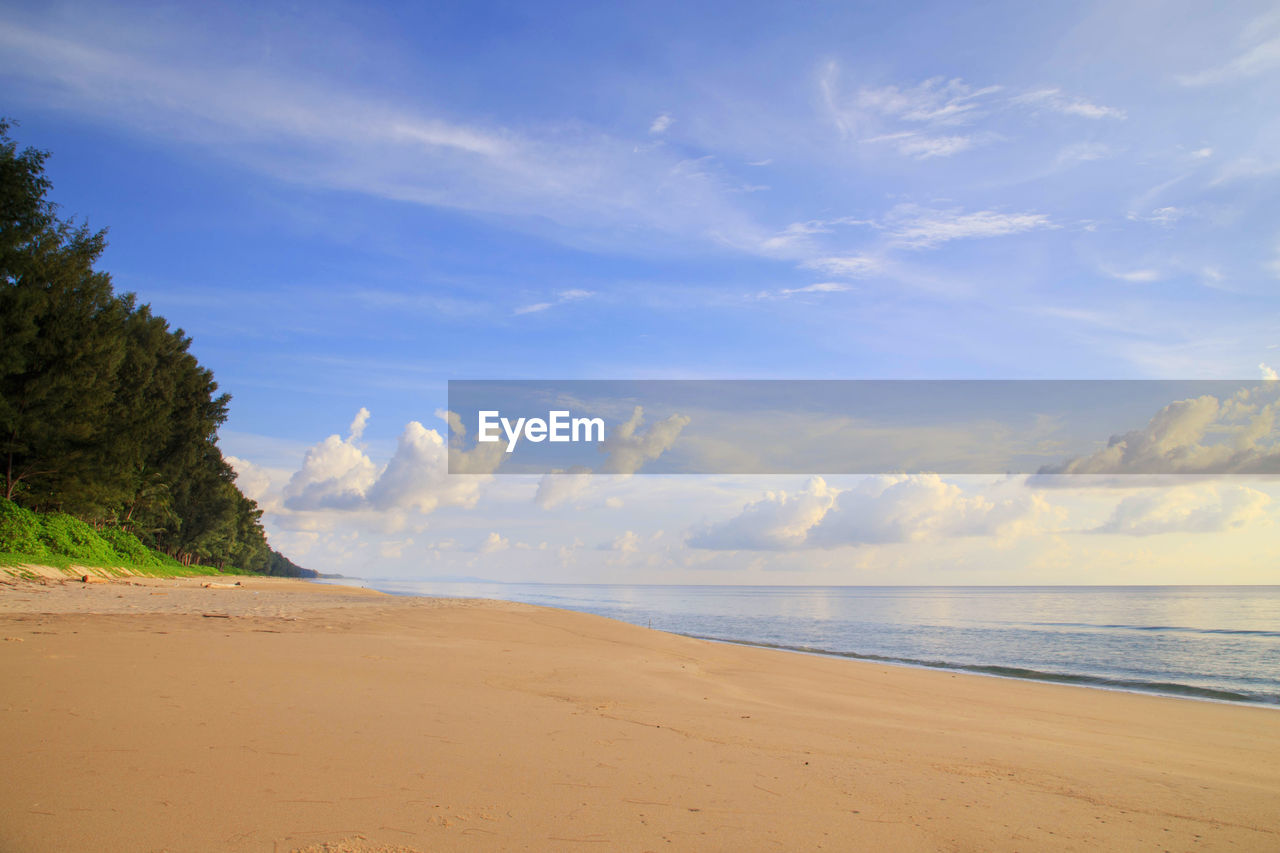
(158, 715)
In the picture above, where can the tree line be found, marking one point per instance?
(104, 412)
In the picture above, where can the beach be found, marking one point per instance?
(146, 714)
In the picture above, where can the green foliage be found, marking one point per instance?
(69, 536)
(20, 530)
(105, 415)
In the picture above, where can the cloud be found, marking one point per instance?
(561, 487)
(1056, 100)
(919, 508)
(818, 287)
(494, 543)
(779, 521)
(921, 146)
(561, 298)
(627, 543)
(879, 510)
(847, 266)
(1201, 436)
(337, 474)
(1251, 62)
(252, 480)
(923, 121)
(915, 227)
(660, 124)
(1140, 276)
(629, 449)
(1205, 508)
(321, 133)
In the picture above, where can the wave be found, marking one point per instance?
(1163, 688)
(1173, 629)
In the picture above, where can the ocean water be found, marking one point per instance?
(1207, 642)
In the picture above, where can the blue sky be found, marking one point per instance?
(348, 205)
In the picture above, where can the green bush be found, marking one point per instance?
(64, 534)
(128, 548)
(20, 530)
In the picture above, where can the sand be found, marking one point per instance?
(160, 715)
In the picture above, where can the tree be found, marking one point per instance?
(58, 355)
(104, 412)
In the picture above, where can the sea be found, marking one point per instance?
(1218, 643)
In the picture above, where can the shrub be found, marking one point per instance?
(128, 548)
(20, 530)
(64, 534)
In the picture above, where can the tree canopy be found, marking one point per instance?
(104, 412)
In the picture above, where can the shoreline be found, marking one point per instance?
(1170, 689)
(287, 714)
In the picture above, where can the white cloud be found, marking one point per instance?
(918, 508)
(922, 146)
(1205, 508)
(252, 480)
(1161, 215)
(494, 543)
(326, 133)
(778, 521)
(561, 298)
(879, 510)
(1139, 276)
(337, 474)
(1268, 372)
(561, 487)
(1202, 436)
(847, 266)
(629, 449)
(921, 121)
(628, 543)
(915, 227)
(818, 287)
(1251, 62)
(660, 124)
(1056, 100)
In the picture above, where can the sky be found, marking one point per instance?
(348, 205)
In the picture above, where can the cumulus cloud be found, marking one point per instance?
(337, 474)
(779, 521)
(253, 481)
(627, 543)
(879, 510)
(628, 448)
(918, 508)
(1204, 508)
(561, 487)
(494, 543)
(1200, 436)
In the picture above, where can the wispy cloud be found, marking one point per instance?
(660, 124)
(1257, 56)
(561, 298)
(939, 117)
(1059, 102)
(915, 227)
(330, 134)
